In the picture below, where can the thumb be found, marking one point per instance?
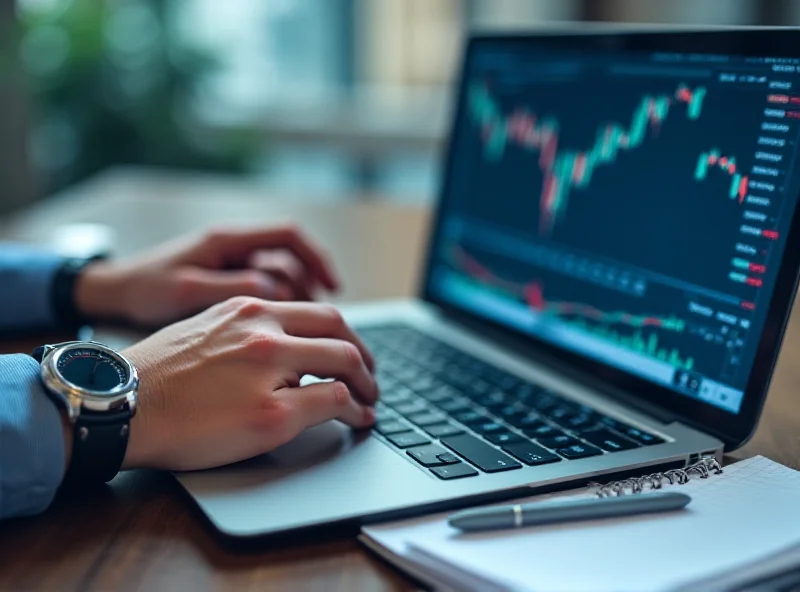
(203, 288)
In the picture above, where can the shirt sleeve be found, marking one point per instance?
(26, 276)
(32, 462)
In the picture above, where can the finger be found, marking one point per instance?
(201, 288)
(309, 319)
(283, 291)
(317, 403)
(285, 267)
(238, 244)
(332, 358)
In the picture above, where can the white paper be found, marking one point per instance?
(746, 514)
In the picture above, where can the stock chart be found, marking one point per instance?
(646, 210)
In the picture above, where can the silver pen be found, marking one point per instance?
(515, 516)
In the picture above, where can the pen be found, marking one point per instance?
(551, 512)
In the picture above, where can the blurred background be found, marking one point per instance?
(319, 99)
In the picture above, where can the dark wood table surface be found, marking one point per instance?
(141, 533)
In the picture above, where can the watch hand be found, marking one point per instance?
(91, 378)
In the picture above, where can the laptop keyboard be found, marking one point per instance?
(459, 416)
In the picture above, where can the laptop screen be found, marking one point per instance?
(629, 207)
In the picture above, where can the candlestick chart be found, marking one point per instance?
(566, 169)
(652, 178)
(713, 159)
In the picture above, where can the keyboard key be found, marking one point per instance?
(424, 384)
(579, 451)
(477, 388)
(448, 458)
(542, 400)
(531, 454)
(385, 380)
(642, 437)
(454, 405)
(480, 454)
(507, 383)
(470, 418)
(494, 400)
(427, 418)
(411, 407)
(382, 413)
(615, 424)
(455, 376)
(579, 421)
(441, 430)
(440, 394)
(489, 427)
(526, 390)
(389, 427)
(608, 440)
(407, 439)
(526, 420)
(406, 374)
(511, 412)
(454, 471)
(559, 414)
(560, 441)
(427, 456)
(504, 438)
(543, 430)
(395, 397)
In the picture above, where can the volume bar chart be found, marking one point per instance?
(639, 342)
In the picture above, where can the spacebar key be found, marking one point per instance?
(480, 454)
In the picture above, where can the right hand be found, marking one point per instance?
(223, 386)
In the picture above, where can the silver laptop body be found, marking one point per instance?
(333, 476)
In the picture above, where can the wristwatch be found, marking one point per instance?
(62, 291)
(97, 387)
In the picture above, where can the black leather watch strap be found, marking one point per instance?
(98, 447)
(99, 443)
(62, 292)
(38, 354)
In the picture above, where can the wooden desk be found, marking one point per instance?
(140, 533)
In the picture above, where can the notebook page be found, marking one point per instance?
(747, 513)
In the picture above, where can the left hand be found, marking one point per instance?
(179, 279)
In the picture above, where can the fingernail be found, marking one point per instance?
(369, 414)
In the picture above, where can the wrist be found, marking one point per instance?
(98, 292)
(141, 451)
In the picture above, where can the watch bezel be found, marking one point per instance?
(75, 397)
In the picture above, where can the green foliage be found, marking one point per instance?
(113, 84)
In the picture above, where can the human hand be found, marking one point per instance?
(181, 278)
(223, 386)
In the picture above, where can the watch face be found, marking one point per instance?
(91, 369)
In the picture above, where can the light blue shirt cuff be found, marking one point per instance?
(32, 462)
(26, 276)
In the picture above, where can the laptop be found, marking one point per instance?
(609, 275)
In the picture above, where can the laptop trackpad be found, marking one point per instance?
(314, 446)
(328, 473)
(322, 447)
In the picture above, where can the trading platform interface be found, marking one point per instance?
(631, 208)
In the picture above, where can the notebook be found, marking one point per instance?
(741, 524)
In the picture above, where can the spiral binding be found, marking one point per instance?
(703, 468)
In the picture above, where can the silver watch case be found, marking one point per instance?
(75, 398)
